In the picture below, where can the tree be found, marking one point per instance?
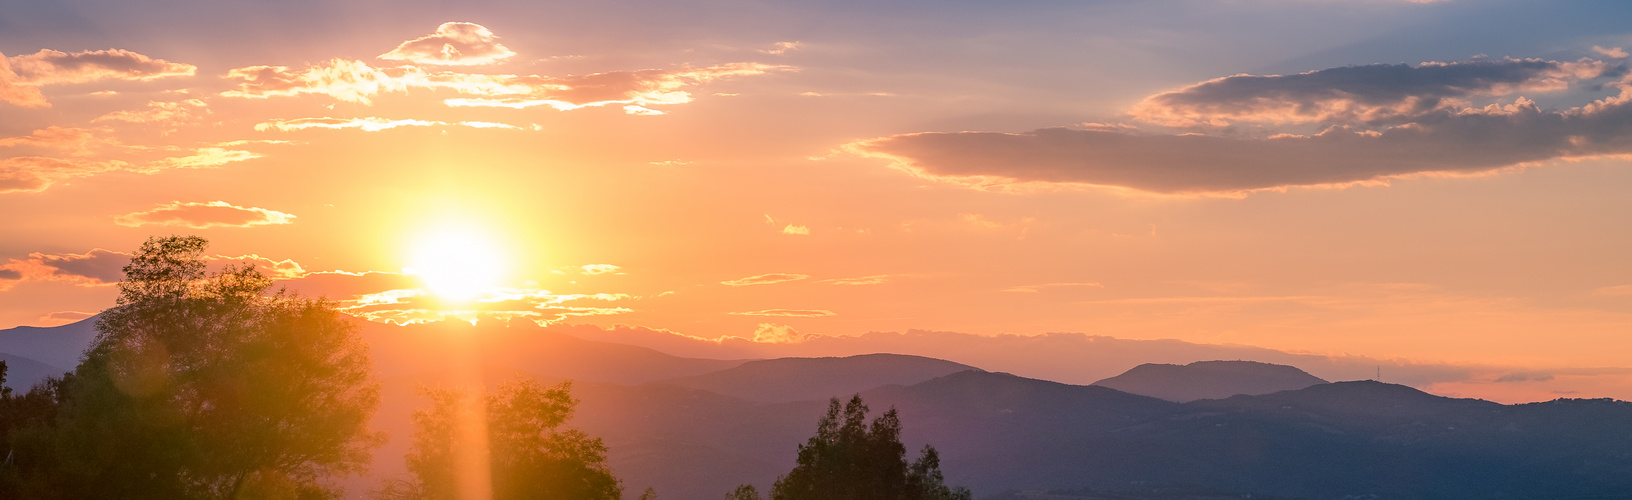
(849, 460)
(743, 492)
(210, 385)
(26, 422)
(530, 454)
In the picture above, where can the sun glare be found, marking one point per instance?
(456, 265)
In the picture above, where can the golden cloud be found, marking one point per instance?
(159, 112)
(453, 44)
(76, 140)
(765, 279)
(203, 215)
(356, 81)
(787, 313)
(16, 93)
(369, 124)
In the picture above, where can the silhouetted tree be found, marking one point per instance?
(743, 492)
(26, 423)
(849, 460)
(530, 453)
(209, 385)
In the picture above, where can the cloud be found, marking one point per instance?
(203, 215)
(201, 158)
(594, 269)
(407, 306)
(50, 67)
(286, 269)
(781, 48)
(356, 81)
(1357, 94)
(96, 267)
(788, 313)
(635, 90)
(453, 44)
(66, 316)
(16, 93)
(159, 112)
(1443, 141)
(796, 230)
(10, 274)
(1038, 288)
(861, 280)
(772, 333)
(1612, 53)
(75, 140)
(369, 124)
(1616, 290)
(765, 279)
(33, 174)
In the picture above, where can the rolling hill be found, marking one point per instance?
(1209, 380)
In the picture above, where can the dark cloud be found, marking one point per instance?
(1443, 141)
(10, 274)
(48, 67)
(1360, 93)
(97, 266)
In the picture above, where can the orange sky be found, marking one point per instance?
(1436, 182)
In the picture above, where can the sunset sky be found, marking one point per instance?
(1439, 182)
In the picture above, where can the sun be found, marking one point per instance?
(456, 264)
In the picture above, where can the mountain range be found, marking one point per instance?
(694, 427)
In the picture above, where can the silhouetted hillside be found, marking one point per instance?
(800, 379)
(1209, 380)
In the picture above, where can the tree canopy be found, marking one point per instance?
(207, 385)
(848, 459)
(530, 452)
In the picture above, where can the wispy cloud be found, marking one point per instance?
(861, 280)
(356, 81)
(595, 269)
(787, 313)
(74, 140)
(1038, 288)
(369, 124)
(765, 279)
(453, 44)
(203, 215)
(172, 113)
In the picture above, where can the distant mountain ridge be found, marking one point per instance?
(803, 379)
(1209, 380)
(667, 427)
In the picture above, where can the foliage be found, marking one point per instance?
(743, 492)
(530, 454)
(205, 385)
(849, 460)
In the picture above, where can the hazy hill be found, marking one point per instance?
(59, 346)
(799, 379)
(999, 432)
(1072, 358)
(22, 373)
(1209, 380)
